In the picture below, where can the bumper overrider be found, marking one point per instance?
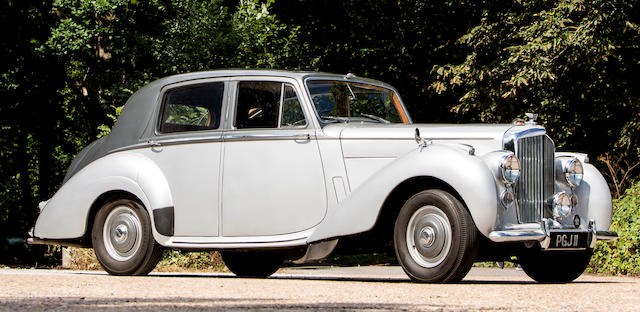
(553, 237)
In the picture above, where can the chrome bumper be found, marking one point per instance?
(541, 232)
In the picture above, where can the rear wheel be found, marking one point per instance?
(253, 263)
(122, 238)
(435, 238)
(554, 266)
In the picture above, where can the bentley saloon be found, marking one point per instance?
(274, 166)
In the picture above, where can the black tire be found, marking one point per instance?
(137, 253)
(429, 208)
(255, 264)
(554, 266)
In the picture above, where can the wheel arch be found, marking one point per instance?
(403, 191)
(99, 202)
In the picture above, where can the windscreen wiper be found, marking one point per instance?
(376, 118)
(335, 118)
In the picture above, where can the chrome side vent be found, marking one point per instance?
(536, 156)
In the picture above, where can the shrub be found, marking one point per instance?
(622, 256)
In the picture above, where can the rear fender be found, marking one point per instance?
(65, 215)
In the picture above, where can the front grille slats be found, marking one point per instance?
(536, 156)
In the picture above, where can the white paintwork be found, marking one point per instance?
(272, 187)
(465, 173)
(267, 191)
(192, 172)
(595, 197)
(359, 170)
(65, 215)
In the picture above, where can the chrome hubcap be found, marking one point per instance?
(428, 236)
(122, 233)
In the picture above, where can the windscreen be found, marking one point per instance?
(343, 101)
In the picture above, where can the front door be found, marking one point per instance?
(273, 182)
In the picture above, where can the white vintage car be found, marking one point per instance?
(268, 166)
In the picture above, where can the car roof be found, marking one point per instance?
(137, 123)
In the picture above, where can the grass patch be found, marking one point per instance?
(172, 261)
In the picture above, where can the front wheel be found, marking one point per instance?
(123, 240)
(554, 266)
(258, 264)
(435, 238)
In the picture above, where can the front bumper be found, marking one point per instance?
(541, 232)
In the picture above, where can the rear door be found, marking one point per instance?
(188, 149)
(273, 181)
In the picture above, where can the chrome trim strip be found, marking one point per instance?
(38, 241)
(606, 235)
(267, 137)
(517, 235)
(413, 139)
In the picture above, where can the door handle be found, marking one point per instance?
(155, 145)
(302, 138)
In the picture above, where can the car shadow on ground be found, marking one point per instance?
(185, 304)
(473, 281)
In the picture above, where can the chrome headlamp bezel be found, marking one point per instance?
(573, 172)
(510, 168)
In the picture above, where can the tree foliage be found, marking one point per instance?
(623, 255)
(69, 66)
(574, 62)
(72, 64)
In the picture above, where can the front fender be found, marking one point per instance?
(65, 215)
(465, 173)
(594, 198)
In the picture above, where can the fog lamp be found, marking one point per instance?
(561, 206)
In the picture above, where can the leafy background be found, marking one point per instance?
(69, 66)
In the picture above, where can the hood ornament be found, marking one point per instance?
(531, 118)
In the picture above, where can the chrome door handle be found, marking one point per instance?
(155, 146)
(302, 138)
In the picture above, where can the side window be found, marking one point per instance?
(267, 104)
(292, 115)
(192, 108)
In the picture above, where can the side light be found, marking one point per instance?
(507, 198)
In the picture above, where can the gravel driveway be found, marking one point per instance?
(373, 288)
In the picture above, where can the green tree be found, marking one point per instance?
(71, 65)
(574, 62)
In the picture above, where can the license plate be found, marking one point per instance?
(566, 240)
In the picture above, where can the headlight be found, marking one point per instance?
(573, 172)
(561, 206)
(510, 167)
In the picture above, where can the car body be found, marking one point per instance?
(257, 163)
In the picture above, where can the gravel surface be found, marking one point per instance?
(374, 288)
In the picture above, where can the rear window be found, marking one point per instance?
(192, 108)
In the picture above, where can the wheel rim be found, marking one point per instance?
(122, 233)
(428, 236)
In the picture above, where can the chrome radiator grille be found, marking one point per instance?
(535, 185)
